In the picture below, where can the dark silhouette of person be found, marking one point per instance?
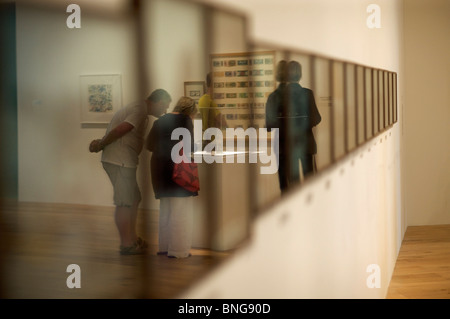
(292, 109)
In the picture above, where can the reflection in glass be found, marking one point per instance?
(381, 101)
(350, 105)
(188, 35)
(338, 110)
(360, 102)
(368, 102)
(386, 99)
(322, 93)
(291, 109)
(376, 102)
(266, 189)
(395, 97)
(390, 98)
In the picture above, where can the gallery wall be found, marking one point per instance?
(54, 162)
(326, 239)
(51, 57)
(427, 112)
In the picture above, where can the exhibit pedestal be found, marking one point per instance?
(223, 211)
(221, 216)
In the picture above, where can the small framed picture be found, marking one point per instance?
(194, 89)
(101, 97)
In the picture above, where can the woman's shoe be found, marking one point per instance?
(138, 248)
(142, 243)
(132, 250)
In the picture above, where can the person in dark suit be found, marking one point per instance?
(274, 120)
(293, 110)
(303, 116)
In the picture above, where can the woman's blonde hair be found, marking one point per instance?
(186, 106)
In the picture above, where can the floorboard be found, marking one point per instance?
(422, 270)
(39, 241)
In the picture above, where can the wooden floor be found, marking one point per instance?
(422, 270)
(39, 241)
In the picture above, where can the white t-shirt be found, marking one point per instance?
(125, 150)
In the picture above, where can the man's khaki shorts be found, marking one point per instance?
(125, 186)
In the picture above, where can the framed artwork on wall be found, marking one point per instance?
(241, 85)
(101, 97)
(194, 89)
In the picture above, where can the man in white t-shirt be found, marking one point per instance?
(121, 146)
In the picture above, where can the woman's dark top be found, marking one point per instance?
(159, 142)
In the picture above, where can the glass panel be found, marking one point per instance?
(292, 110)
(380, 101)
(391, 85)
(351, 106)
(369, 102)
(389, 97)
(322, 95)
(265, 185)
(395, 98)
(386, 98)
(338, 110)
(360, 104)
(376, 102)
(183, 63)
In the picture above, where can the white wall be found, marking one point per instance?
(54, 162)
(319, 242)
(332, 28)
(427, 112)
